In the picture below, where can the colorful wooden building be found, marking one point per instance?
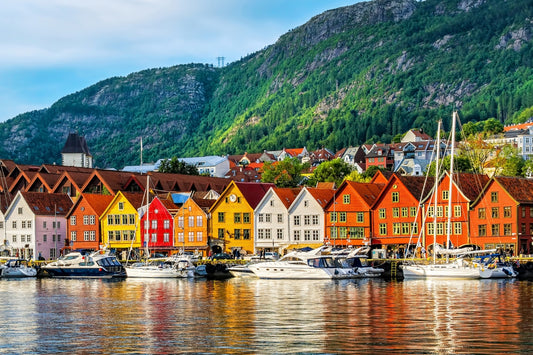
(157, 227)
(192, 230)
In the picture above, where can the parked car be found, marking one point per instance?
(220, 256)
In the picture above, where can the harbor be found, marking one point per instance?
(248, 315)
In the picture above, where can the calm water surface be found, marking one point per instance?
(134, 316)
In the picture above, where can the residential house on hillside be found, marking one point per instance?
(192, 232)
(320, 155)
(35, 225)
(413, 158)
(381, 155)
(348, 214)
(119, 223)
(232, 216)
(307, 216)
(215, 166)
(271, 217)
(76, 152)
(83, 228)
(502, 215)
(522, 139)
(301, 153)
(415, 135)
(355, 156)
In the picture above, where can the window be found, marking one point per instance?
(19, 210)
(296, 220)
(382, 213)
(405, 212)
(73, 236)
(166, 224)
(307, 235)
(494, 212)
(44, 238)
(414, 228)
(439, 211)
(246, 217)
(191, 221)
(221, 217)
(268, 234)
(507, 211)
(457, 211)
(14, 238)
(440, 228)
(495, 229)
(236, 234)
(360, 217)
(14, 224)
(342, 232)
(92, 219)
(23, 224)
(261, 218)
(199, 236)
(395, 196)
(279, 233)
(132, 219)
(333, 233)
(396, 228)
(481, 214)
(181, 236)
(280, 218)
(28, 238)
(412, 211)
(86, 236)
(120, 206)
(166, 237)
(52, 253)
(356, 233)
(382, 229)
(457, 228)
(316, 235)
(494, 196)
(154, 224)
(307, 220)
(346, 199)
(333, 217)
(445, 194)
(482, 230)
(430, 228)
(181, 221)
(22, 238)
(117, 219)
(191, 237)
(246, 234)
(124, 219)
(93, 235)
(1, 225)
(395, 212)
(268, 217)
(296, 235)
(431, 211)
(72, 220)
(221, 233)
(199, 221)
(507, 228)
(306, 203)
(405, 228)
(315, 219)
(236, 218)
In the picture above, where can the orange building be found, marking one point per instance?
(192, 225)
(83, 227)
(502, 216)
(348, 215)
(396, 218)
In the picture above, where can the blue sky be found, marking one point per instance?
(51, 48)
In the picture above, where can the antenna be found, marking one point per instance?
(221, 61)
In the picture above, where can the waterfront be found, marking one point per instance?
(265, 316)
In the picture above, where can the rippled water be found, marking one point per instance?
(265, 316)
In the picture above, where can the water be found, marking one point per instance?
(251, 316)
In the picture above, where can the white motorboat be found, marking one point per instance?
(17, 268)
(357, 260)
(99, 264)
(302, 265)
(493, 267)
(168, 268)
(456, 269)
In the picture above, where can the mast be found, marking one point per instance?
(452, 151)
(147, 223)
(435, 194)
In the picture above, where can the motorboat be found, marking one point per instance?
(98, 264)
(171, 267)
(302, 265)
(492, 266)
(357, 260)
(17, 268)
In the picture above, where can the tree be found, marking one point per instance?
(285, 173)
(176, 166)
(509, 162)
(460, 164)
(335, 170)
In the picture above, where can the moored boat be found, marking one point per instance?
(14, 268)
(98, 264)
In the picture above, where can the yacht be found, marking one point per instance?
(17, 268)
(98, 264)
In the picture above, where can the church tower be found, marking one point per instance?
(76, 153)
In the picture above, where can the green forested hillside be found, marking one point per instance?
(356, 74)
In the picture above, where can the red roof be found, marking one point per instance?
(287, 195)
(253, 192)
(46, 204)
(322, 196)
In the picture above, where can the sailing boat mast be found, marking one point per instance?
(452, 152)
(435, 195)
(147, 220)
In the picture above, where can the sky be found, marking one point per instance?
(52, 48)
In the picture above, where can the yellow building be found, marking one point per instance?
(191, 223)
(232, 216)
(120, 221)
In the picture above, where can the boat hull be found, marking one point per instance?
(159, 273)
(444, 271)
(280, 270)
(77, 272)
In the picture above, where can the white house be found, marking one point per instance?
(271, 224)
(307, 216)
(35, 225)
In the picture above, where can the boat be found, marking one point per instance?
(98, 264)
(492, 266)
(303, 265)
(17, 268)
(455, 268)
(357, 260)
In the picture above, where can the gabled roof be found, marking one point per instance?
(253, 192)
(322, 196)
(75, 144)
(470, 185)
(97, 202)
(415, 185)
(47, 179)
(46, 204)
(520, 189)
(286, 195)
(77, 179)
(367, 191)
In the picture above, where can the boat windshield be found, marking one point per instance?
(321, 262)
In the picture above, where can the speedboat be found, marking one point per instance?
(357, 260)
(98, 264)
(493, 267)
(302, 265)
(17, 268)
(172, 267)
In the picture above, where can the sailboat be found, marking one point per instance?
(459, 267)
(167, 268)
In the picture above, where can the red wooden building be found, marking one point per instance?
(157, 227)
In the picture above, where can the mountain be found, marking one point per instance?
(361, 73)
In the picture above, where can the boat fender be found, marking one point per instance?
(336, 271)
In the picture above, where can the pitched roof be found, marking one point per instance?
(286, 195)
(253, 192)
(98, 202)
(46, 204)
(520, 189)
(322, 196)
(415, 185)
(367, 191)
(75, 144)
(471, 185)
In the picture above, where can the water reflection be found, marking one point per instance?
(265, 316)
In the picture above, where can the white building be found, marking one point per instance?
(76, 152)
